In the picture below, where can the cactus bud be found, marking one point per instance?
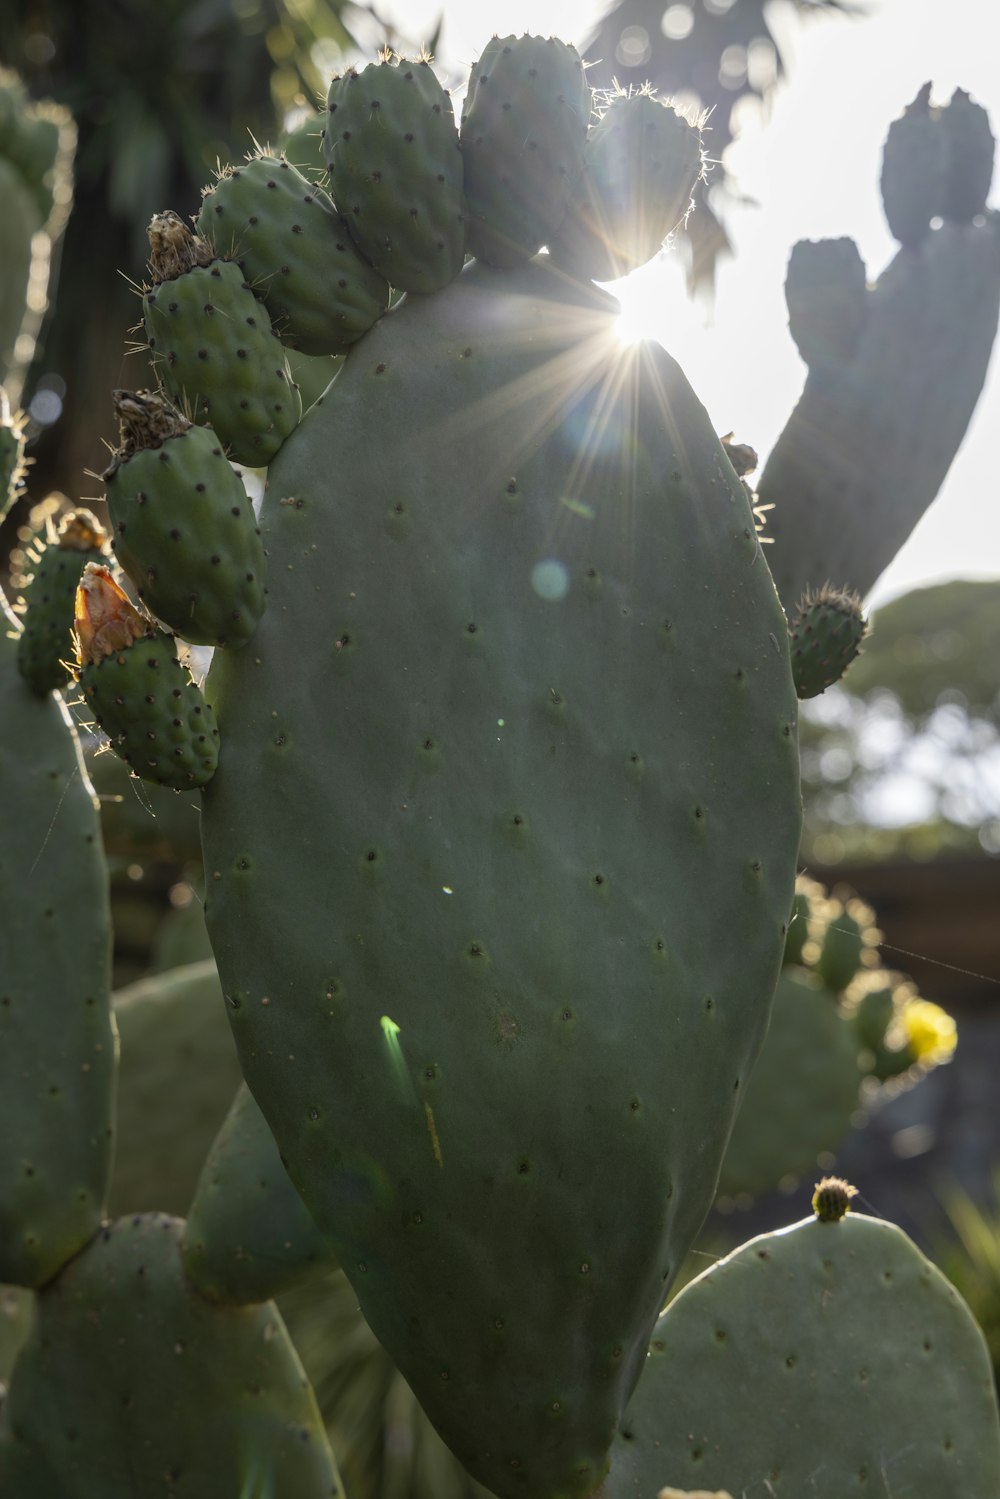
(832, 1199)
(825, 635)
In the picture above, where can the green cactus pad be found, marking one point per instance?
(876, 436)
(391, 146)
(802, 1092)
(153, 713)
(132, 1383)
(303, 144)
(177, 1078)
(641, 164)
(502, 800)
(970, 148)
(826, 1359)
(523, 133)
(45, 646)
(213, 347)
(57, 1040)
(249, 1235)
(825, 634)
(183, 525)
(914, 171)
(826, 293)
(296, 252)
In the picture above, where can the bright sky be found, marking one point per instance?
(813, 171)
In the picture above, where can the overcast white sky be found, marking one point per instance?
(813, 171)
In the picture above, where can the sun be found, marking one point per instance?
(655, 305)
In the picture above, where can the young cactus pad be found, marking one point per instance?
(514, 740)
(826, 1359)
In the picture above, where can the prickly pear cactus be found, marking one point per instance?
(297, 252)
(56, 966)
(37, 144)
(523, 137)
(391, 146)
(839, 1024)
(497, 616)
(248, 1235)
(213, 346)
(184, 528)
(45, 646)
(838, 1319)
(895, 369)
(171, 1026)
(144, 699)
(123, 1368)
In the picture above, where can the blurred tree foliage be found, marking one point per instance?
(160, 94)
(715, 56)
(903, 756)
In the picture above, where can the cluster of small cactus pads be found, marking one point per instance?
(500, 819)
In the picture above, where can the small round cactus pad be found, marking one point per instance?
(825, 1360)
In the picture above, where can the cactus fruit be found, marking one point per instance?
(523, 135)
(296, 252)
(641, 164)
(829, 1325)
(505, 762)
(391, 146)
(55, 1100)
(143, 698)
(825, 634)
(248, 1235)
(825, 289)
(45, 645)
(184, 527)
(212, 344)
(176, 1081)
(131, 1382)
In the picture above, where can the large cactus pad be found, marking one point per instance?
(517, 733)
